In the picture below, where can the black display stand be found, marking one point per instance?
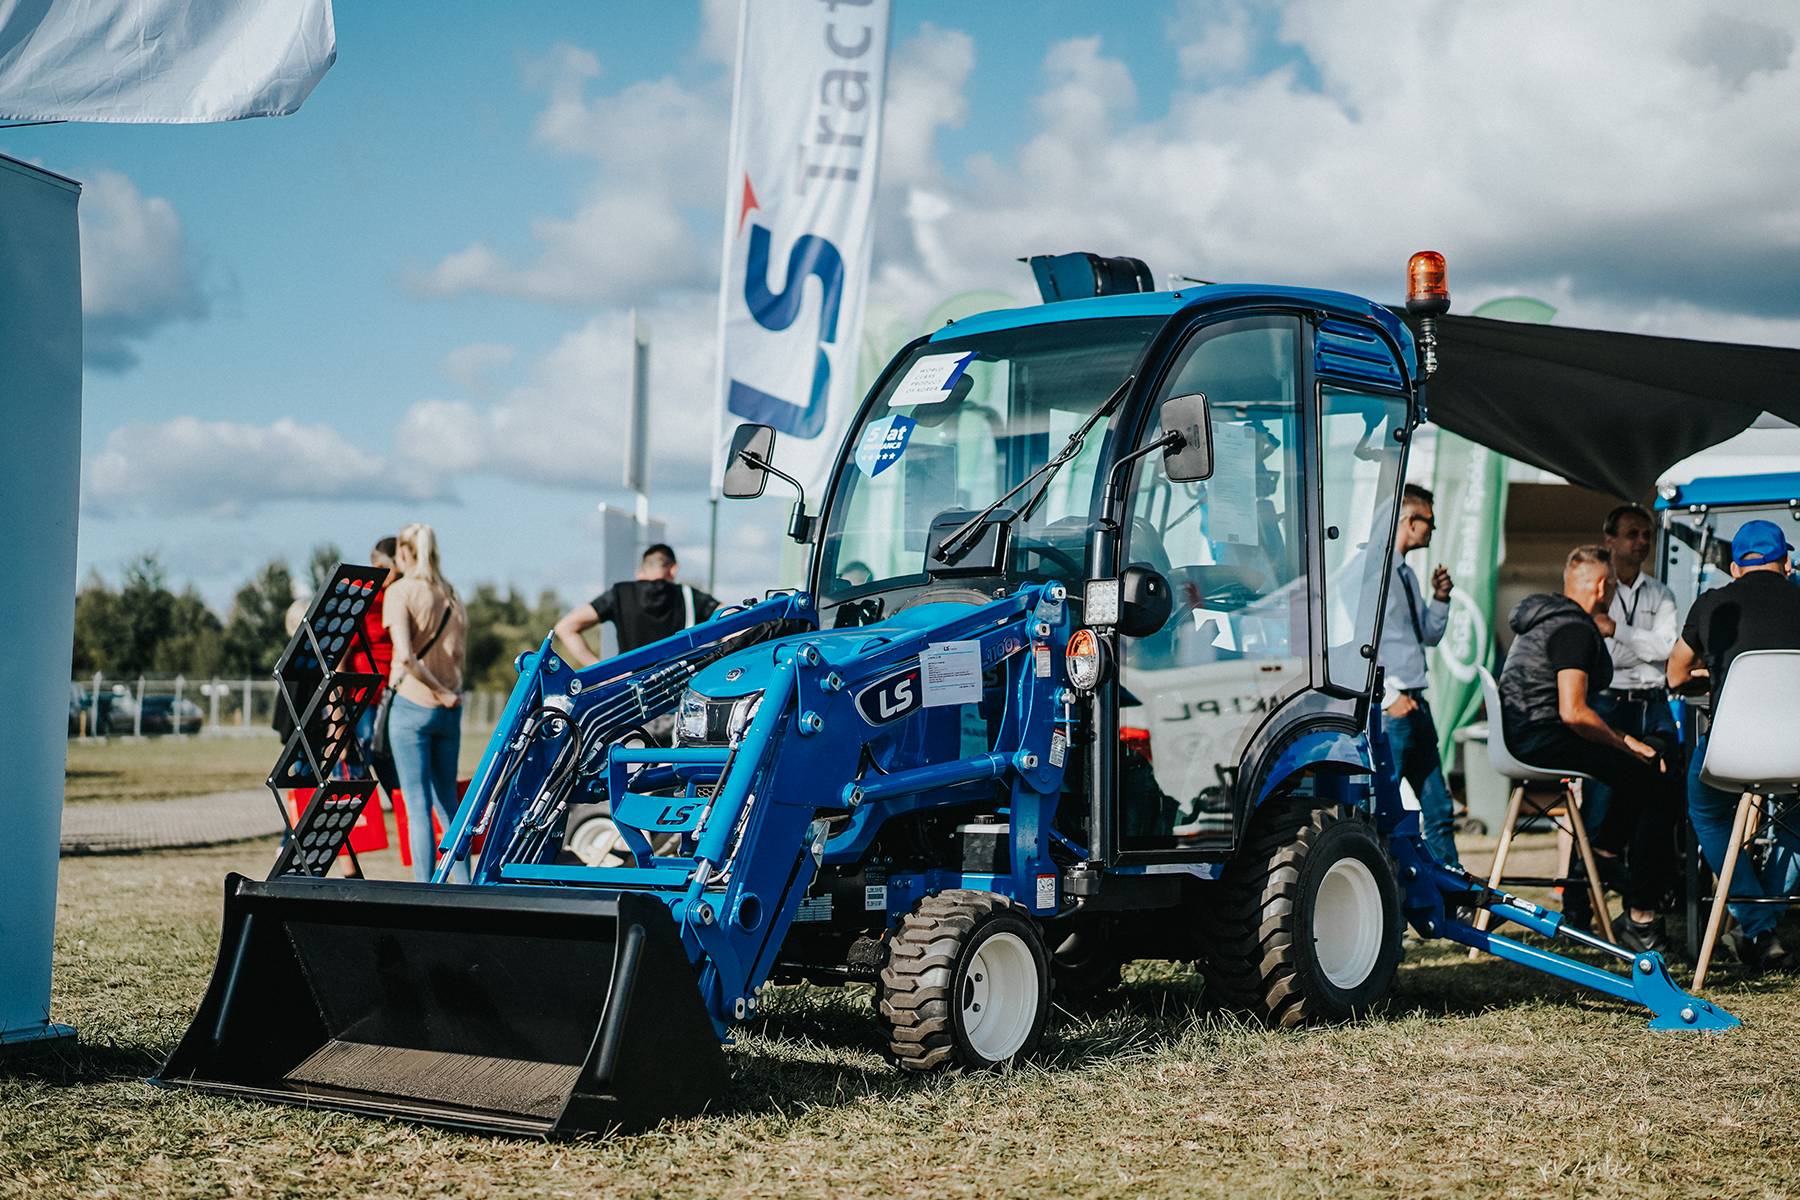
(325, 701)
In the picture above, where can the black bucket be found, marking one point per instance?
(514, 1010)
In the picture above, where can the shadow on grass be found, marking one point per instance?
(82, 1064)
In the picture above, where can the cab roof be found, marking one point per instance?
(1200, 297)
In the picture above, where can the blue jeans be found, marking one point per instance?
(1712, 812)
(1640, 719)
(425, 742)
(1413, 740)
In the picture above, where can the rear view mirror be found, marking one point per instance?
(1190, 460)
(744, 481)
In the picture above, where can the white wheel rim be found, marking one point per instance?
(597, 842)
(1347, 923)
(1000, 996)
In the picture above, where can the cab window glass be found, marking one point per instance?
(1233, 550)
(1359, 481)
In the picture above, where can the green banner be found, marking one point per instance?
(1470, 489)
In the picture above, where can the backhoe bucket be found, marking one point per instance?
(533, 1011)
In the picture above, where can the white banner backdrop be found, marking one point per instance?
(161, 61)
(805, 141)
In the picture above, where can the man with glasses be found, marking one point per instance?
(1640, 628)
(1413, 621)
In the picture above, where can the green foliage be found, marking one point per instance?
(144, 626)
(499, 628)
(325, 558)
(257, 631)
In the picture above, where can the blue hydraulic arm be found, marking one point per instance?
(1431, 891)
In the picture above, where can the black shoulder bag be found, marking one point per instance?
(378, 739)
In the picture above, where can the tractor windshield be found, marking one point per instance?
(957, 426)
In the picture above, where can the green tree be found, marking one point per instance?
(195, 643)
(142, 618)
(325, 558)
(500, 627)
(96, 609)
(256, 634)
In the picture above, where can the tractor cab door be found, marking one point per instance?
(1234, 549)
(1278, 563)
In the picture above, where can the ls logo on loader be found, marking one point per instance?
(887, 700)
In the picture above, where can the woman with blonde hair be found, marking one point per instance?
(429, 626)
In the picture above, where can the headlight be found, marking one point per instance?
(704, 721)
(690, 719)
(1086, 660)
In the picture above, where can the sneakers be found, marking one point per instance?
(1765, 952)
(1641, 937)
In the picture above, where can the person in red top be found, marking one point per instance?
(381, 645)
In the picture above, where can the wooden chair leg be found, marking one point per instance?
(1596, 890)
(1499, 871)
(1732, 850)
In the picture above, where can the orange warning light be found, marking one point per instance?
(1427, 291)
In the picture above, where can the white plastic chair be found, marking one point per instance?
(1754, 748)
(1567, 805)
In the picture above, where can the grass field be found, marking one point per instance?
(1482, 1079)
(168, 768)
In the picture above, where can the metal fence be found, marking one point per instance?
(164, 705)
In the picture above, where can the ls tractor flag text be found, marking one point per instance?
(805, 141)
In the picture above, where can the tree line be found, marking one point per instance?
(144, 625)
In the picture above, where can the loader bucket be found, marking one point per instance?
(515, 1010)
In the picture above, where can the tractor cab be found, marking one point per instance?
(1031, 423)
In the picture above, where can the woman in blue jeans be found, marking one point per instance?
(429, 625)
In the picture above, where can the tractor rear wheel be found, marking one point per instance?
(1305, 924)
(967, 983)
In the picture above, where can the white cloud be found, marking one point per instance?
(1647, 163)
(468, 365)
(659, 147)
(136, 270)
(566, 426)
(225, 469)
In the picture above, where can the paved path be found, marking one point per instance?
(98, 827)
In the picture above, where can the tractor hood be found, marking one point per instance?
(748, 671)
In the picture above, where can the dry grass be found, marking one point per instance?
(167, 768)
(1484, 1079)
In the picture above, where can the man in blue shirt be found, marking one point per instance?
(1413, 621)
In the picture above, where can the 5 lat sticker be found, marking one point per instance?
(883, 442)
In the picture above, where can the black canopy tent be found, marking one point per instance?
(1609, 411)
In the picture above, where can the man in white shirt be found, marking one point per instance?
(1411, 622)
(1640, 629)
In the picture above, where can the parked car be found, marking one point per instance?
(166, 714)
(82, 715)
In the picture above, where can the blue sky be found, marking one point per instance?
(407, 301)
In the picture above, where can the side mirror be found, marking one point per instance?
(742, 480)
(1189, 461)
(1145, 601)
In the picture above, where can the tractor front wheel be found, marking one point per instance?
(967, 983)
(1305, 924)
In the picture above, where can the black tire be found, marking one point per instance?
(935, 986)
(1266, 952)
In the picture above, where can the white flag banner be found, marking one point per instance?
(805, 141)
(161, 61)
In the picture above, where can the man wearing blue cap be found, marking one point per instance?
(1758, 610)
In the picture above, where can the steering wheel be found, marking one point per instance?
(1056, 554)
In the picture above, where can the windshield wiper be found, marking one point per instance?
(969, 532)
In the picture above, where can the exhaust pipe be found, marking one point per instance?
(518, 1010)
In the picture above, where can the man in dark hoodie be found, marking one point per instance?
(1557, 662)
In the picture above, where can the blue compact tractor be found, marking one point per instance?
(1081, 673)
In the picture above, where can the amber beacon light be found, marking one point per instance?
(1427, 298)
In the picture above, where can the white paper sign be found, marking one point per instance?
(950, 673)
(1231, 493)
(930, 380)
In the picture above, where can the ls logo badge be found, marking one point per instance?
(887, 700)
